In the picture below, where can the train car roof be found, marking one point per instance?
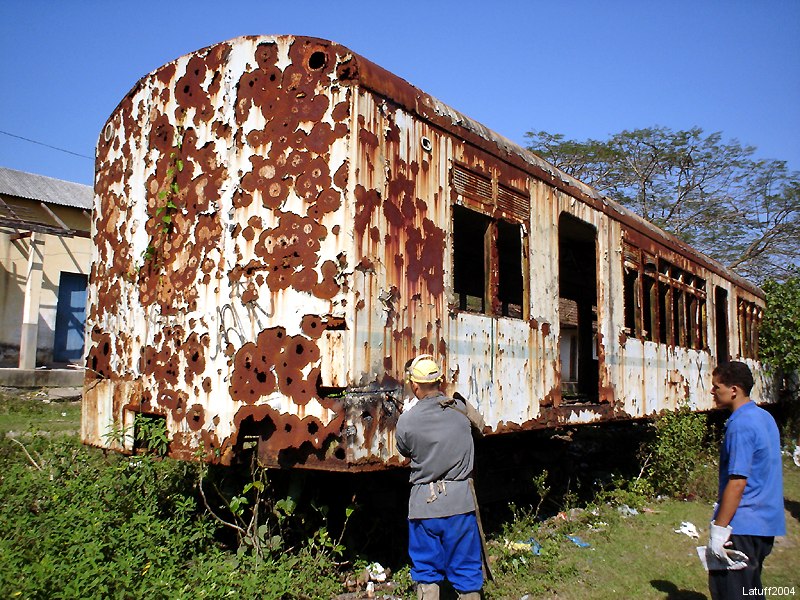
(355, 69)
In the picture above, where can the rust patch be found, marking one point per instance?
(196, 417)
(286, 439)
(97, 361)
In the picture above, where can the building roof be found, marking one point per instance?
(45, 189)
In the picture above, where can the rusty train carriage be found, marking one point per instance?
(325, 222)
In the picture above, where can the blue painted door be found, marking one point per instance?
(70, 317)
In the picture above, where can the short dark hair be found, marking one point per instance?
(735, 373)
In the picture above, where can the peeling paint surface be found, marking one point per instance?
(274, 240)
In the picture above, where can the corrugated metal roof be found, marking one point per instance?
(45, 189)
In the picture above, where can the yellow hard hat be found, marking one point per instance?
(424, 369)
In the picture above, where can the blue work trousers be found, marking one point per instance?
(446, 547)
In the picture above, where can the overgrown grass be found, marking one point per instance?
(27, 413)
(642, 556)
(637, 555)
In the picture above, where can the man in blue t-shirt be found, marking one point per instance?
(749, 512)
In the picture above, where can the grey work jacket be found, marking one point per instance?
(438, 441)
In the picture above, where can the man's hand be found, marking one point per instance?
(718, 537)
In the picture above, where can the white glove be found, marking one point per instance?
(718, 537)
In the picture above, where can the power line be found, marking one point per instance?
(19, 137)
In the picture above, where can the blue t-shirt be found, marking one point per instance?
(751, 448)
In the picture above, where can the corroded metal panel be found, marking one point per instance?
(470, 366)
(219, 256)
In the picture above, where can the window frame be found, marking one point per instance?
(505, 205)
(681, 318)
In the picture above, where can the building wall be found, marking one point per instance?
(61, 254)
(13, 260)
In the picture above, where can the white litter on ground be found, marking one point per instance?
(689, 529)
(377, 572)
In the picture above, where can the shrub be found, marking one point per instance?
(680, 459)
(634, 492)
(77, 524)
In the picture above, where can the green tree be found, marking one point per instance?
(780, 331)
(712, 193)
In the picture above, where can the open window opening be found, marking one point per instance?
(488, 264)
(577, 245)
(749, 323)
(510, 289)
(665, 313)
(721, 318)
(470, 242)
(649, 304)
(630, 299)
(668, 306)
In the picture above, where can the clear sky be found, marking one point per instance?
(582, 68)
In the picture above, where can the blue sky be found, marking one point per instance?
(585, 69)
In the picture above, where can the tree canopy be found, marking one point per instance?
(713, 193)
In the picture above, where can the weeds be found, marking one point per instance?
(681, 457)
(635, 493)
(79, 524)
(527, 555)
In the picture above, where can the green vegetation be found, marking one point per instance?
(779, 347)
(681, 459)
(79, 523)
(780, 335)
(28, 413)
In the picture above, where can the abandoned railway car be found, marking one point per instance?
(280, 224)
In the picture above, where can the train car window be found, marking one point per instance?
(721, 320)
(489, 253)
(663, 303)
(665, 313)
(510, 290)
(648, 308)
(679, 318)
(692, 321)
(470, 258)
(750, 316)
(631, 284)
(631, 259)
(703, 335)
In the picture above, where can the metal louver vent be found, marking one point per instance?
(472, 185)
(630, 254)
(513, 202)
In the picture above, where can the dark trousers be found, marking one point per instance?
(729, 585)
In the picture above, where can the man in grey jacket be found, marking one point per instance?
(444, 539)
